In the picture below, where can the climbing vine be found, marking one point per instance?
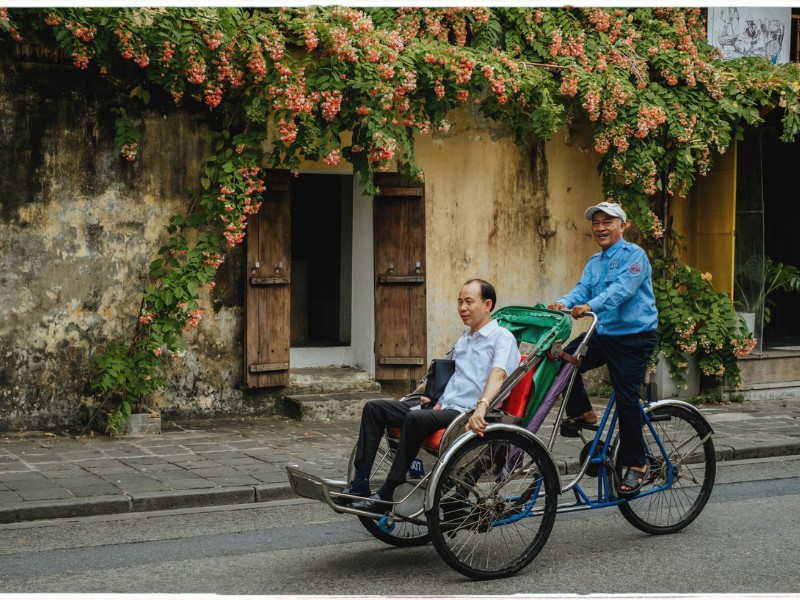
(334, 83)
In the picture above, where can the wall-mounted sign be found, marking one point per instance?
(740, 31)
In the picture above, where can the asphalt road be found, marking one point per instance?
(745, 541)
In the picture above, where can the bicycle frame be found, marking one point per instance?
(602, 453)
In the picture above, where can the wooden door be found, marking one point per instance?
(400, 308)
(268, 272)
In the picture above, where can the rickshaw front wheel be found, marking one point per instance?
(494, 505)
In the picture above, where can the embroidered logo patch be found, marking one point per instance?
(636, 268)
(614, 264)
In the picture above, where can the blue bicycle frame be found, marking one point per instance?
(604, 461)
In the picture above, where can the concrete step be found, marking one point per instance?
(782, 389)
(772, 367)
(328, 407)
(326, 380)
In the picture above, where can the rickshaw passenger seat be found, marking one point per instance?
(518, 398)
(513, 405)
(431, 442)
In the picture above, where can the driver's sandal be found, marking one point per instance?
(633, 480)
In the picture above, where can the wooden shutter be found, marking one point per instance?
(268, 272)
(400, 308)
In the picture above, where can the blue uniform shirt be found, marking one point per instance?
(616, 283)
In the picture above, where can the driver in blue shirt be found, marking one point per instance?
(616, 285)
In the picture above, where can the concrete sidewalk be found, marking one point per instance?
(230, 461)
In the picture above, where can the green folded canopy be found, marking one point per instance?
(533, 325)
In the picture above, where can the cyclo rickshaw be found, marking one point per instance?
(488, 503)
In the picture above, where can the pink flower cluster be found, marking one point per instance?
(167, 53)
(287, 131)
(331, 104)
(256, 63)
(235, 213)
(591, 103)
(311, 39)
(555, 43)
(382, 148)
(196, 71)
(80, 59)
(333, 157)
(743, 346)
(130, 151)
(650, 118)
(497, 82)
(657, 226)
(213, 259)
(341, 46)
(194, 319)
(213, 41)
(569, 85)
(213, 94)
(52, 19)
(81, 32)
(126, 49)
(274, 44)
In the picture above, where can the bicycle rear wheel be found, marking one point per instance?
(692, 460)
(494, 505)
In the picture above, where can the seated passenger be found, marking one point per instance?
(484, 356)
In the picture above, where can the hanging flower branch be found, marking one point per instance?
(288, 84)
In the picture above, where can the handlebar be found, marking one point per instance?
(589, 332)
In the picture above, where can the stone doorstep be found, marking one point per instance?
(325, 380)
(323, 407)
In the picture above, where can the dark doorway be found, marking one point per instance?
(321, 260)
(781, 196)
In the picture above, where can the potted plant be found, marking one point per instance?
(698, 332)
(757, 279)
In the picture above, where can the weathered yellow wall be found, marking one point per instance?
(510, 215)
(504, 213)
(714, 222)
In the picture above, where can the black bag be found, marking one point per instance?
(439, 373)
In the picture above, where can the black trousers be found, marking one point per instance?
(626, 357)
(414, 426)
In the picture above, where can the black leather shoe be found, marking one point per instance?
(356, 489)
(373, 504)
(353, 489)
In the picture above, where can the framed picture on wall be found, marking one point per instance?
(740, 31)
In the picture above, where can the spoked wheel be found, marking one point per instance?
(494, 505)
(402, 534)
(687, 441)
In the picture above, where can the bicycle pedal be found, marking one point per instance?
(573, 430)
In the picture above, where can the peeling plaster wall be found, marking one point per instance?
(78, 228)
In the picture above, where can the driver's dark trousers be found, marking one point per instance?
(626, 357)
(414, 426)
